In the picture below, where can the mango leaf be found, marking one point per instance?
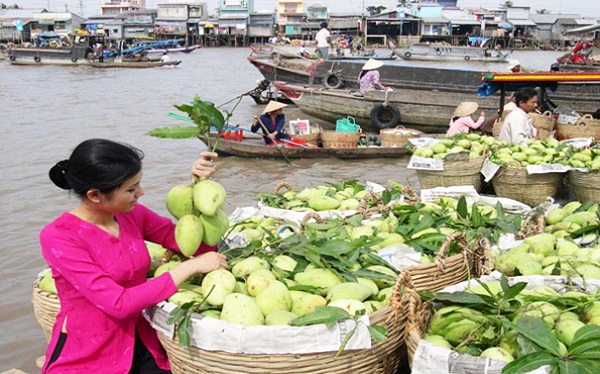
(476, 219)
(538, 331)
(335, 247)
(460, 297)
(530, 362)
(379, 333)
(577, 367)
(586, 333)
(386, 197)
(322, 314)
(514, 290)
(586, 343)
(176, 132)
(461, 208)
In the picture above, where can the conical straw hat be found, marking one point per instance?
(466, 108)
(372, 64)
(273, 106)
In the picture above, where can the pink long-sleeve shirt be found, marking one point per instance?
(102, 287)
(463, 125)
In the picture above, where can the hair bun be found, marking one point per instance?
(58, 174)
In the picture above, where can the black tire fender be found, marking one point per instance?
(12, 57)
(73, 59)
(385, 116)
(37, 59)
(407, 54)
(438, 52)
(333, 80)
(467, 58)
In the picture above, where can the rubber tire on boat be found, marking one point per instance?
(37, 59)
(333, 80)
(407, 54)
(390, 113)
(73, 59)
(438, 52)
(467, 58)
(12, 58)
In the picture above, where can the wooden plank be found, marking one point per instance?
(13, 371)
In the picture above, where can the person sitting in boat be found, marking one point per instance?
(514, 66)
(165, 57)
(271, 123)
(461, 121)
(369, 79)
(518, 126)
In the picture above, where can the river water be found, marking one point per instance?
(47, 110)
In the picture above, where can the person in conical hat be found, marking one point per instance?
(369, 78)
(461, 121)
(271, 123)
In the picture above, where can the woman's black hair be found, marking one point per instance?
(98, 164)
(524, 94)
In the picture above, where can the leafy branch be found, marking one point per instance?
(205, 115)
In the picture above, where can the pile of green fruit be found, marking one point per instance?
(554, 252)
(516, 324)
(199, 214)
(275, 289)
(588, 158)
(474, 144)
(534, 152)
(344, 196)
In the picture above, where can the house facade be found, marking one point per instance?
(114, 7)
(233, 16)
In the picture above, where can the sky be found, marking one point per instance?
(589, 8)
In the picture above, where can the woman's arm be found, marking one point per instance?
(376, 80)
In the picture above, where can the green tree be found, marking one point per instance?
(543, 11)
(374, 10)
(507, 4)
(405, 2)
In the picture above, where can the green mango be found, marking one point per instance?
(241, 309)
(323, 279)
(556, 215)
(349, 305)
(185, 296)
(189, 232)
(305, 303)
(216, 285)
(565, 330)
(209, 196)
(274, 297)
(279, 317)
(179, 201)
(215, 227)
(437, 340)
(248, 265)
(47, 283)
(349, 290)
(320, 203)
(497, 353)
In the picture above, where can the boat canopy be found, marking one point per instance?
(492, 82)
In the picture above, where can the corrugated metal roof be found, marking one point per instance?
(522, 22)
(584, 29)
(20, 13)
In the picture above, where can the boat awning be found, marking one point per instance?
(522, 22)
(584, 29)
(505, 25)
(430, 20)
(464, 21)
(492, 82)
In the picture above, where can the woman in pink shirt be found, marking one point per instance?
(461, 121)
(99, 261)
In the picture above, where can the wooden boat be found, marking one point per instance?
(431, 111)
(377, 110)
(175, 50)
(423, 82)
(133, 65)
(446, 52)
(72, 55)
(256, 148)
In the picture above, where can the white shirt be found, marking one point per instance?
(321, 38)
(517, 128)
(165, 58)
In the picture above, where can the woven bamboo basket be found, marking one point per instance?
(498, 124)
(398, 136)
(456, 173)
(586, 186)
(446, 271)
(514, 183)
(418, 313)
(382, 358)
(45, 308)
(585, 127)
(312, 137)
(332, 139)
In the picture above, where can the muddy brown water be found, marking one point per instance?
(47, 110)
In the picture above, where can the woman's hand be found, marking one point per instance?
(255, 119)
(482, 114)
(204, 167)
(272, 135)
(209, 261)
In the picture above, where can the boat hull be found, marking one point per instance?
(48, 56)
(253, 148)
(133, 65)
(453, 84)
(429, 113)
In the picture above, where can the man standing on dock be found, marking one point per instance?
(323, 39)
